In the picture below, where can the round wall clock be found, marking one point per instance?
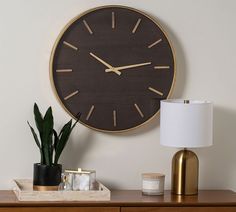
(113, 64)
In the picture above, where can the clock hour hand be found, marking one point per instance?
(111, 68)
(127, 67)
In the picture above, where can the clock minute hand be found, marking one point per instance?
(127, 67)
(111, 68)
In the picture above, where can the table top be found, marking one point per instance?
(135, 198)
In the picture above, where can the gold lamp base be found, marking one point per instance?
(185, 173)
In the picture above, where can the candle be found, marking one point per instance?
(153, 183)
(82, 180)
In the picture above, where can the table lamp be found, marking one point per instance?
(185, 124)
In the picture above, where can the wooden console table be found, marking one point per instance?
(130, 201)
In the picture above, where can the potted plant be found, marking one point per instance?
(47, 173)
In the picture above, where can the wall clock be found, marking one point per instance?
(113, 64)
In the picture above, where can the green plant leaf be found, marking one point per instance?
(39, 124)
(56, 139)
(38, 118)
(77, 120)
(51, 143)
(50, 149)
(63, 138)
(35, 136)
(37, 142)
(47, 133)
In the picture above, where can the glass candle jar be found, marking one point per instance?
(81, 180)
(153, 183)
(64, 185)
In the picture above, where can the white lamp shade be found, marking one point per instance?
(186, 125)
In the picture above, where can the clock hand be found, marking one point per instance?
(111, 68)
(127, 67)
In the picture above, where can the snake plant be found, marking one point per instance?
(49, 142)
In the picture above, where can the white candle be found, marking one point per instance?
(153, 183)
(82, 180)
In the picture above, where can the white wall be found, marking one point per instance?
(204, 37)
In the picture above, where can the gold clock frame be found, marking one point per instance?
(61, 34)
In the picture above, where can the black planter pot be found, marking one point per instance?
(46, 178)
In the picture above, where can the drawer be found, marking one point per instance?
(60, 209)
(178, 209)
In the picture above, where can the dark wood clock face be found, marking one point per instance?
(113, 64)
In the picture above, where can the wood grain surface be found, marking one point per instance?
(60, 209)
(135, 198)
(179, 209)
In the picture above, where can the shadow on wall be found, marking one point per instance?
(180, 81)
(180, 60)
(77, 148)
(218, 163)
